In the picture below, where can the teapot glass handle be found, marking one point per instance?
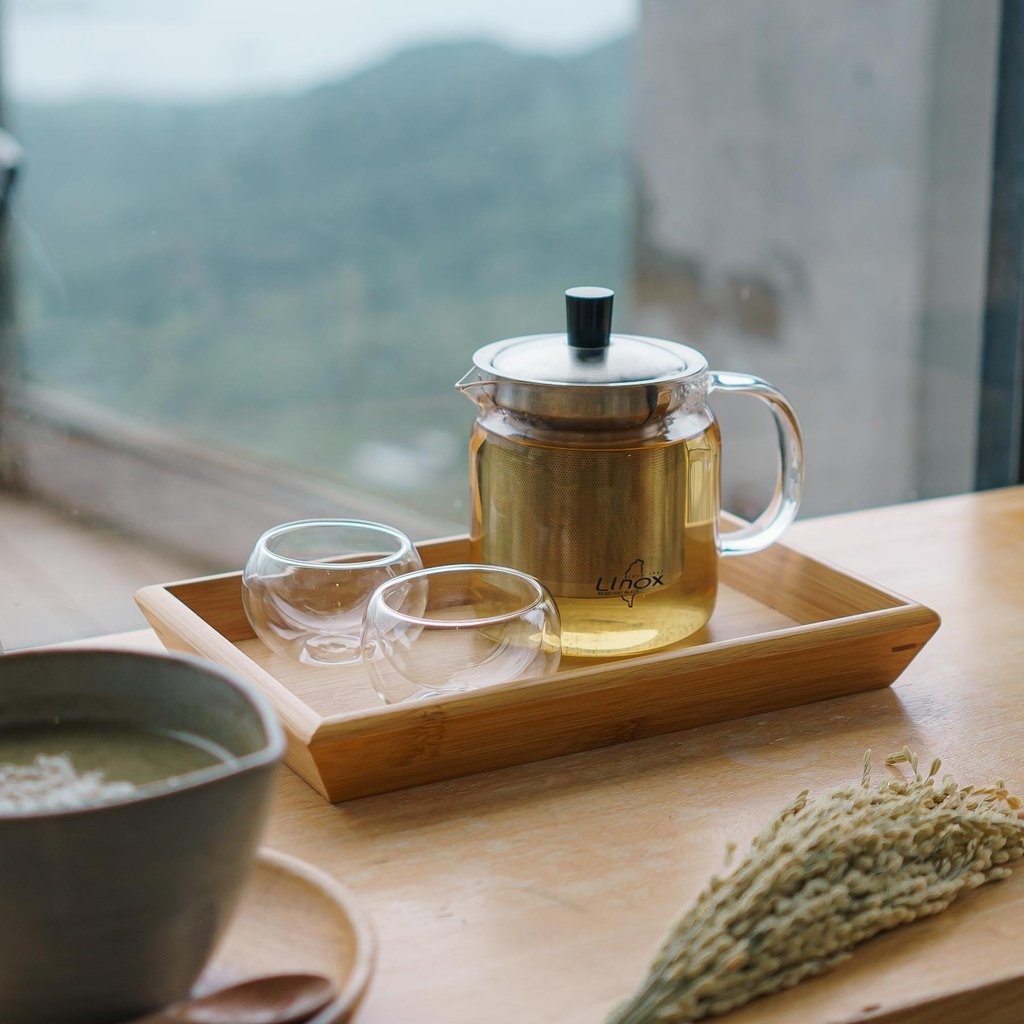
(781, 510)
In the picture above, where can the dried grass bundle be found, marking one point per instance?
(824, 875)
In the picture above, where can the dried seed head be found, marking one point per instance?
(825, 874)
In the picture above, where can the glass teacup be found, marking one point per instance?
(458, 627)
(307, 583)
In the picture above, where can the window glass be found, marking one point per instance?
(285, 229)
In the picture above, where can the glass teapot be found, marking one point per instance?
(595, 467)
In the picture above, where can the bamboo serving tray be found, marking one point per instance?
(787, 630)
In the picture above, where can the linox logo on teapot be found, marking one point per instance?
(632, 582)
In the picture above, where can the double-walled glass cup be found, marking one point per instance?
(458, 627)
(307, 583)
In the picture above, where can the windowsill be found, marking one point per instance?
(64, 579)
(204, 504)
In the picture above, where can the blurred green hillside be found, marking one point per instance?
(303, 275)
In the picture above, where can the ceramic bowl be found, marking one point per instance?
(111, 911)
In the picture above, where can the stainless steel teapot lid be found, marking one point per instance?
(588, 373)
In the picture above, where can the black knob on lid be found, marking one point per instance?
(588, 313)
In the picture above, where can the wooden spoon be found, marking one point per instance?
(271, 999)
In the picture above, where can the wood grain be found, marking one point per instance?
(787, 630)
(538, 892)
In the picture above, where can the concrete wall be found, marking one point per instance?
(812, 207)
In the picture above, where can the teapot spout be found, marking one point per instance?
(477, 388)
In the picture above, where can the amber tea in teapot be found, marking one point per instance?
(595, 467)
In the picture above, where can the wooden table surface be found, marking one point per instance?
(538, 893)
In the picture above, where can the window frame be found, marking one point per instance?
(1000, 460)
